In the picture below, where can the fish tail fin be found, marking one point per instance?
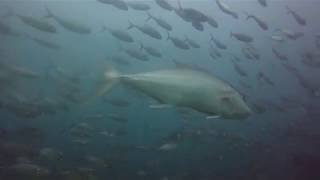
(111, 78)
(168, 35)
(149, 17)
(49, 13)
(131, 25)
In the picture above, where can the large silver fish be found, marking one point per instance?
(183, 87)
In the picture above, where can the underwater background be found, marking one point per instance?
(53, 56)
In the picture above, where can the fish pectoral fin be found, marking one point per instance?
(160, 106)
(213, 117)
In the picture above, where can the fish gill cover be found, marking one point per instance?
(159, 89)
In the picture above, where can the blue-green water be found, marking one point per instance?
(51, 67)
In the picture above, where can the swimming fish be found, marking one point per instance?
(299, 19)
(164, 4)
(150, 50)
(263, 3)
(226, 9)
(242, 37)
(119, 34)
(146, 29)
(69, 24)
(160, 22)
(183, 87)
(36, 23)
(179, 43)
(218, 43)
(139, 6)
(262, 24)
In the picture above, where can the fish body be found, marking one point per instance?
(152, 51)
(162, 23)
(242, 37)
(192, 43)
(239, 69)
(179, 43)
(218, 43)
(119, 34)
(212, 22)
(147, 29)
(279, 55)
(139, 6)
(299, 19)
(194, 15)
(262, 24)
(46, 44)
(185, 88)
(39, 24)
(214, 53)
(136, 54)
(226, 9)
(293, 35)
(120, 4)
(263, 3)
(164, 4)
(197, 25)
(68, 24)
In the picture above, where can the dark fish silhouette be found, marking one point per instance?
(279, 55)
(263, 3)
(299, 19)
(119, 34)
(138, 6)
(160, 22)
(192, 43)
(120, 4)
(242, 37)
(150, 50)
(179, 43)
(226, 9)
(262, 24)
(69, 24)
(218, 43)
(164, 4)
(139, 55)
(146, 29)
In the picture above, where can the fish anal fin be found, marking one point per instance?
(213, 117)
(160, 106)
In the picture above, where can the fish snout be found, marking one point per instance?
(245, 113)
